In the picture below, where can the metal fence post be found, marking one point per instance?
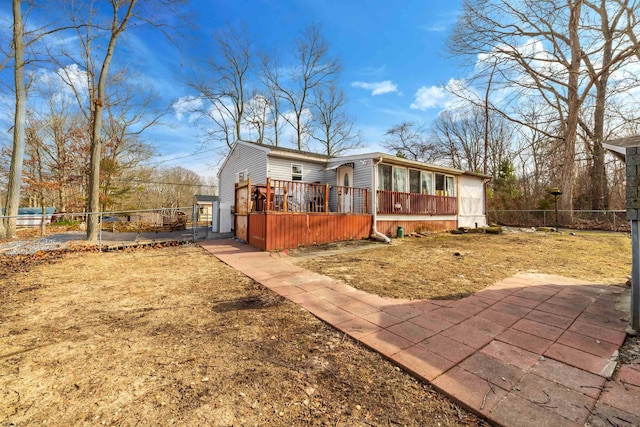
(194, 220)
(100, 233)
(635, 276)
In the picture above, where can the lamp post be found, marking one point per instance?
(556, 192)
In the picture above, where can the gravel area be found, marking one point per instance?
(30, 244)
(54, 242)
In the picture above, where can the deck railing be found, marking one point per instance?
(295, 196)
(396, 202)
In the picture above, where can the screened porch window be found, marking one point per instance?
(427, 182)
(414, 181)
(384, 177)
(445, 185)
(399, 179)
(420, 182)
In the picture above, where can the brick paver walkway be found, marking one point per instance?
(531, 350)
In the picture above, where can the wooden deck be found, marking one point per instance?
(287, 230)
(285, 214)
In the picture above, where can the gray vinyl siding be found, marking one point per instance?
(362, 178)
(280, 168)
(362, 174)
(253, 159)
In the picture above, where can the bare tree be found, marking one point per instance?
(270, 76)
(226, 90)
(550, 51)
(17, 154)
(97, 77)
(409, 139)
(511, 32)
(256, 115)
(129, 115)
(615, 25)
(333, 128)
(96, 70)
(312, 68)
(461, 135)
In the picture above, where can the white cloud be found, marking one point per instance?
(435, 28)
(377, 88)
(187, 105)
(430, 97)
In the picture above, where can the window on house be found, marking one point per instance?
(391, 178)
(242, 176)
(451, 186)
(399, 179)
(445, 185)
(384, 177)
(420, 182)
(414, 181)
(427, 182)
(296, 172)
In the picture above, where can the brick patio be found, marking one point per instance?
(531, 350)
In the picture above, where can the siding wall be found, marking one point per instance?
(253, 159)
(280, 168)
(361, 176)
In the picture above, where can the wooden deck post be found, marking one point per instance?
(285, 201)
(366, 201)
(326, 197)
(268, 195)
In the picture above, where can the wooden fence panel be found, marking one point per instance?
(258, 230)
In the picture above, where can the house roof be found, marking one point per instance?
(288, 152)
(272, 150)
(619, 146)
(331, 162)
(400, 161)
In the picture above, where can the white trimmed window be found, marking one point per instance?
(445, 185)
(296, 172)
(242, 176)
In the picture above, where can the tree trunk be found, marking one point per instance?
(599, 199)
(97, 105)
(94, 165)
(3, 231)
(573, 113)
(17, 155)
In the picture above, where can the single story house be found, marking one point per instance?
(374, 192)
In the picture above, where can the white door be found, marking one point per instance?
(345, 192)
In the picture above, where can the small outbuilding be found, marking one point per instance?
(205, 206)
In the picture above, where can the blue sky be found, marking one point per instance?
(395, 47)
(392, 53)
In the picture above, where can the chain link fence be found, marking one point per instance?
(117, 227)
(608, 220)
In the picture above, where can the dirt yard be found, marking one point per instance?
(448, 266)
(172, 336)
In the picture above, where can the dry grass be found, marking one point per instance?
(453, 266)
(174, 337)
